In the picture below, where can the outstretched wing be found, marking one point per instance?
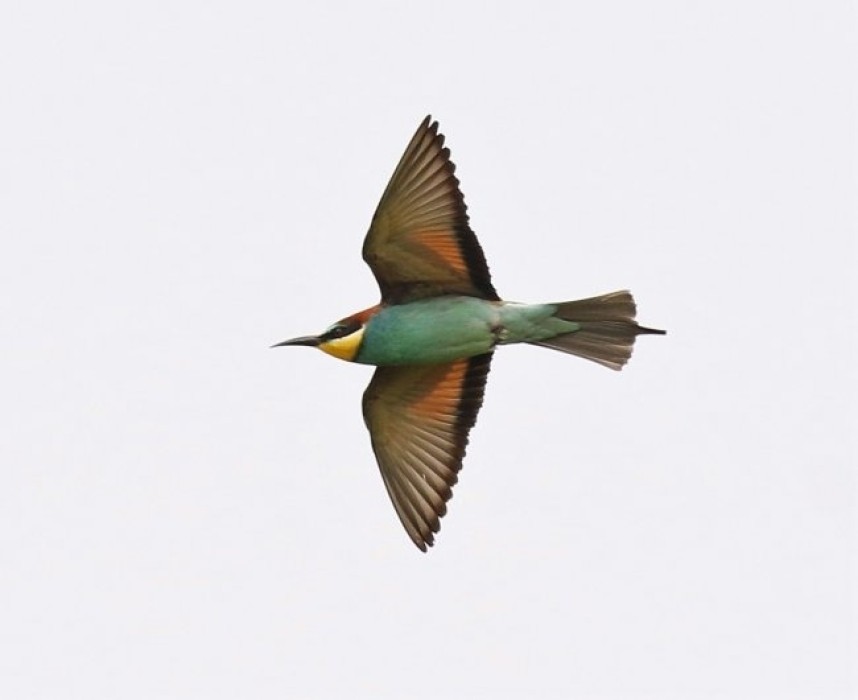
(419, 417)
(419, 243)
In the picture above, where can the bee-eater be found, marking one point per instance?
(433, 334)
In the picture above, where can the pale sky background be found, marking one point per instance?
(185, 513)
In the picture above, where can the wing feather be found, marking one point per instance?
(419, 418)
(420, 243)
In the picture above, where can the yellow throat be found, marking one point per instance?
(346, 348)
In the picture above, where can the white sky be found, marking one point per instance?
(188, 514)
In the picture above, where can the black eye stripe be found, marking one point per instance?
(339, 331)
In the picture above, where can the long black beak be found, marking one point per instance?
(311, 340)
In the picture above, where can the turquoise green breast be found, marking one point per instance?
(429, 331)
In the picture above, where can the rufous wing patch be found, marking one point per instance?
(445, 245)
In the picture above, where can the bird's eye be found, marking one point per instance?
(337, 331)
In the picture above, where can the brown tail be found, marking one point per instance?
(608, 329)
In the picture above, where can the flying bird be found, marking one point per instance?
(432, 335)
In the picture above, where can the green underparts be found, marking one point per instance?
(444, 329)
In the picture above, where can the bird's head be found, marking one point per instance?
(341, 339)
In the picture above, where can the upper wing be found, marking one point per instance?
(419, 243)
(419, 417)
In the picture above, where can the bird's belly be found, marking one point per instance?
(430, 331)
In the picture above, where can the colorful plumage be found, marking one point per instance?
(433, 333)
